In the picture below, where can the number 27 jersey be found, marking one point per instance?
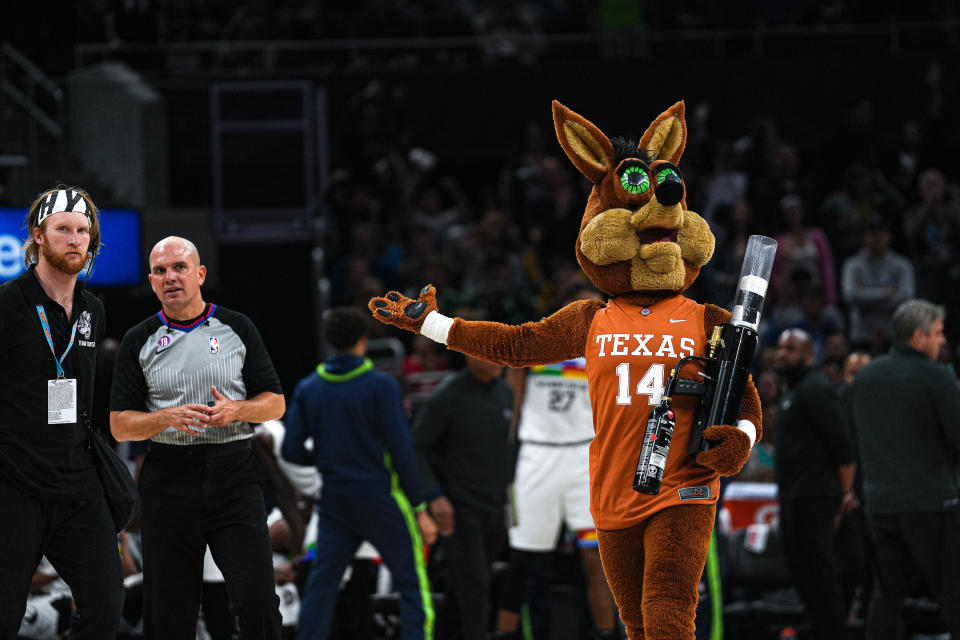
(630, 352)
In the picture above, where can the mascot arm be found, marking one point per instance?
(560, 337)
(732, 443)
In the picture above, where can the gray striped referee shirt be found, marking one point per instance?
(164, 363)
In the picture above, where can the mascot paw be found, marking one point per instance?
(400, 311)
(729, 450)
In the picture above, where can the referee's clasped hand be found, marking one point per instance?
(224, 411)
(192, 419)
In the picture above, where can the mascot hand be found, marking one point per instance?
(729, 451)
(400, 311)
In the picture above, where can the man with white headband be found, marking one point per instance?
(50, 326)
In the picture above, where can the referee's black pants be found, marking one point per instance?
(80, 542)
(194, 496)
(908, 548)
(809, 543)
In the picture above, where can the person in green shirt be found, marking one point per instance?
(460, 436)
(906, 412)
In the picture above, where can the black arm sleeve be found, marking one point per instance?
(258, 372)
(429, 430)
(129, 390)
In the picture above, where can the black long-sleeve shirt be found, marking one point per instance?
(812, 439)
(906, 409)
(460, 435)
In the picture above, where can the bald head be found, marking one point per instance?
(794, 351)
(175, 244)
(797, 334)
(852, 365)
(176, 275)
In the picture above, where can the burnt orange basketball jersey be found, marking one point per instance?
(630, 352)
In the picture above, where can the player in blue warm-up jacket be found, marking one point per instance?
(363, 448)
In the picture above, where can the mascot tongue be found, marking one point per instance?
(657, 234)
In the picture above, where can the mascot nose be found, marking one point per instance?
(670, 191)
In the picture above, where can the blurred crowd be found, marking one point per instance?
(867, 215)
(159, 21)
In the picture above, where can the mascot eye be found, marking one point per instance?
(667, 173)
(635, 180)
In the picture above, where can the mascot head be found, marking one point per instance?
(636, 234)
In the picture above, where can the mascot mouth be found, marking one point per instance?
(657, 234)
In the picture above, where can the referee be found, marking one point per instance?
(191, 379)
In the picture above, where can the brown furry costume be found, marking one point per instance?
(639, 244)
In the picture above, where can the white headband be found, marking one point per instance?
(62, 200)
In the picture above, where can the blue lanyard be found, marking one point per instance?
(46, 331)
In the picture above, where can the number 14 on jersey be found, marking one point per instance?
(651, 384)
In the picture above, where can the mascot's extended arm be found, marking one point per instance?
(560, 337)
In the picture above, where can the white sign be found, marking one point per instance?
(11, 256)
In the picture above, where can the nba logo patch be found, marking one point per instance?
(214, 345)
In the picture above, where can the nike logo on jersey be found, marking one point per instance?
(674, 320)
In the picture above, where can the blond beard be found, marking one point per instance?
(59, 262)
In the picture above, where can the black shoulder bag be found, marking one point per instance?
(119, 488)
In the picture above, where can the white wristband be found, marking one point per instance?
(750, 429)
(436, 326)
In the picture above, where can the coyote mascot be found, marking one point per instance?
(640, 245)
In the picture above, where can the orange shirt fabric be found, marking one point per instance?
(630, 352)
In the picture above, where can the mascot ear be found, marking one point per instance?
(667, 135)
(586, 146)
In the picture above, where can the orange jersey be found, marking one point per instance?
(630, 352)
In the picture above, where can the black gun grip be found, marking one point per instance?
(684, 387)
